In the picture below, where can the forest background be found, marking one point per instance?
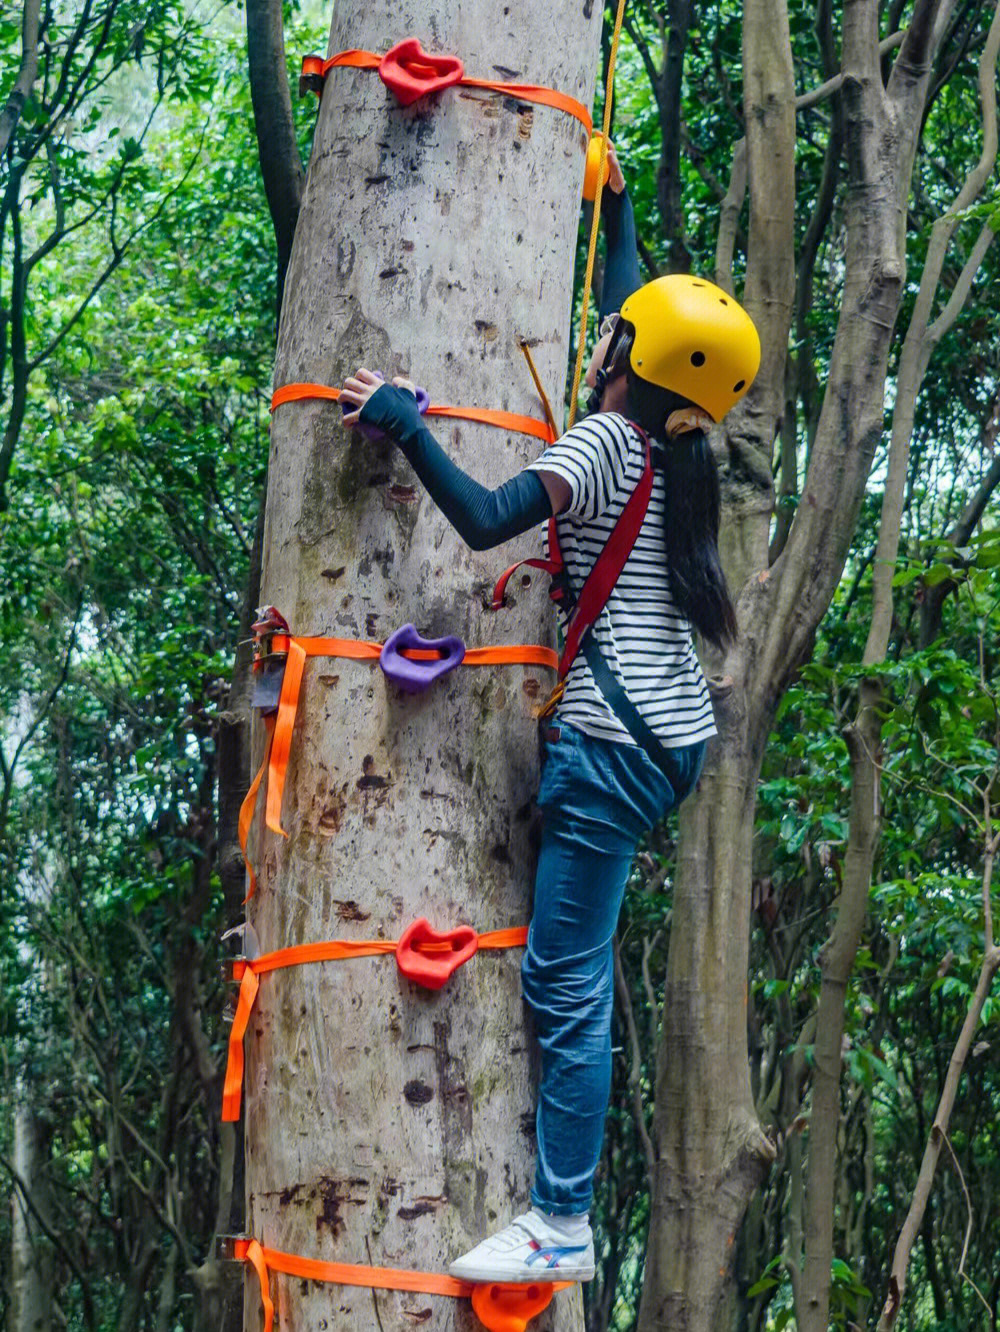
(138, 292)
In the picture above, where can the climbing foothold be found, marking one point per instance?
(510, 1308)
(429, 957)
(410, 73)
(593, 166)
(413, 675)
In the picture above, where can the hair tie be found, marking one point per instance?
(686, 419)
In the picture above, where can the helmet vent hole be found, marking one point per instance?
(697, 358)
(697, 284)
(738, 385)
(723, 301)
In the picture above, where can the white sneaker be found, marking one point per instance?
(528, 1250)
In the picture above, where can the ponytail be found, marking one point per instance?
(691, 528)
(693, 502)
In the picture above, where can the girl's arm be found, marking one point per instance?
(621, 269)
(483, 518)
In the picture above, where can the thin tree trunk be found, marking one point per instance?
(864, 736)
(711, 1151)
(385, 1123)
(26, 74)
(32, 1267)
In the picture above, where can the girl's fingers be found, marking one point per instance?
(367, 376)
(352, 385)
(402, 382)
(351, 418)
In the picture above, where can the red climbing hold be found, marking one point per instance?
(429, 958)
(410, 73)
(510, 1308)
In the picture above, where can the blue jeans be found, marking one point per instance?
(596, 798)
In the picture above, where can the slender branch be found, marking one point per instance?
(917, 50)
(834, 84)
(968, 1227)
(26, 74)
(635, 1063)
(729, 217)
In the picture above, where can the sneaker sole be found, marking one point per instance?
(482, 1276)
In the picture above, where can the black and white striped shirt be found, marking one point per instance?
(643, 637)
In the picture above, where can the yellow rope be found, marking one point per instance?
(595, 224)
(546, 405)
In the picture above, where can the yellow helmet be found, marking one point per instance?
(695, 339)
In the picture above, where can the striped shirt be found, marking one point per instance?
(644, 638)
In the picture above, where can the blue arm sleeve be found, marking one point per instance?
(621, 268)
(482, 517)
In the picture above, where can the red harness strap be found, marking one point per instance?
(605, 572)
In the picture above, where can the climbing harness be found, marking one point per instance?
(582, 610)
(499, 1307)
(410, 73)
(424, 955)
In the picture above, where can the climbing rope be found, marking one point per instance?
(596, 221)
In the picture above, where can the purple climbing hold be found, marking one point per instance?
(413, 675)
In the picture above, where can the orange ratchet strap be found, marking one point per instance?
(530, 1298)
(247, 970)
(526, 425)
(298, 649)
(315, 67)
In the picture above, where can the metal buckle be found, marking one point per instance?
(225, 1247)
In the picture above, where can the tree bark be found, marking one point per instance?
(32, 1266)
(386, 1124)
(277, 146)
(26, 74)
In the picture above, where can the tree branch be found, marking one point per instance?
(635, 1063)
(26, 74)
(277, 146)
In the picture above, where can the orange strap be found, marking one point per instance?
(232, 1088)
(331, 950)
(525, 654)
(526, 425)
(248, 807)
(349, 1274)
(527, 92)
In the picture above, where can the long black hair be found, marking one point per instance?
(691, 512)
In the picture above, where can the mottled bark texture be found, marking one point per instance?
(387, 1124)
(711, 1150)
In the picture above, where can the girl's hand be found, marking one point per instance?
(357, 389)
(360, 386)
(616, 180)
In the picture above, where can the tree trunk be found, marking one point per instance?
(386, 1124)
(31, 1262)
(710, 1148)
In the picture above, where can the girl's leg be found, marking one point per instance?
(568, 980)
(597, 798)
